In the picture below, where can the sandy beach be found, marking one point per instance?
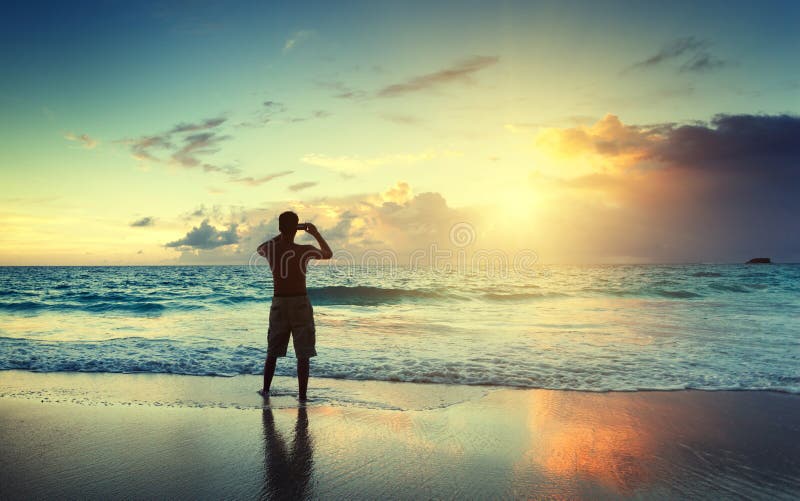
(163, 436)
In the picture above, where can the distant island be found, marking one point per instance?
(760, 260)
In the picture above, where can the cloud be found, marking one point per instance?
(302, 186)
(728, 141)
(722, 190)
(86, 141)
(395, 221)
(460, 72)
(697, 51)
(314, 115)
(274, 106)
(608, 138)
(402, 119)
(200, 144)
(205, 237)
(199, 212)
(209, 123)
(297, 38)
(672, 50)
(342, 90)
(250, 181)
(725, 190)
(145, 221)
(702, 62)
(273, 111)
(213, 213)
(266, 113)
(398, 194)
(353, 164)
(142, 148)
(749, 142)
(184, 145)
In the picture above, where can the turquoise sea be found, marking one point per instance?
(595, 328)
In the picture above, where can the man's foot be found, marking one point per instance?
(264, 393)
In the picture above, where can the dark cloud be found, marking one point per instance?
(674, 49)
(197, 145)
(741, 142)
(251, 181)
(209, 123)
(702, 62)
(145, 221)
(697, 51)
(720, 191)
(143, 147)
(459, 72)
(185, 144)
(302, 186)
(206, 237)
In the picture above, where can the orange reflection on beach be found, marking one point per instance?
(612, 442)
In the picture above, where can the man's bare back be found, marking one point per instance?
(289, 263)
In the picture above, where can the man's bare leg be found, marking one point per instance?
(269, 371)
(303, 368)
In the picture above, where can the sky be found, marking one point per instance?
(580, 132)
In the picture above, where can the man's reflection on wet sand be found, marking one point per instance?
(287, 472)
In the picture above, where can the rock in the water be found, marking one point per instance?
(760, 260)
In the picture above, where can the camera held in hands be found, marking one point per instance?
(302, 226)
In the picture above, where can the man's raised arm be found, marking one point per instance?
(324, 252)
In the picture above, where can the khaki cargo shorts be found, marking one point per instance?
(291, 315)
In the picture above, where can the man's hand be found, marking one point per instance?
(311, 229)
(325, 252)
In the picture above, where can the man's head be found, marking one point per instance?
(287, 224)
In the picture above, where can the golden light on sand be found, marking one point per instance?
(605, 445)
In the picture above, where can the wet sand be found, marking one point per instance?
(160, 436)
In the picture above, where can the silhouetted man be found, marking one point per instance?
(291, 311)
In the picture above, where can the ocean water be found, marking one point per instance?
(593, 328)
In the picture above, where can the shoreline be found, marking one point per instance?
(487, 386)
(94, 435)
